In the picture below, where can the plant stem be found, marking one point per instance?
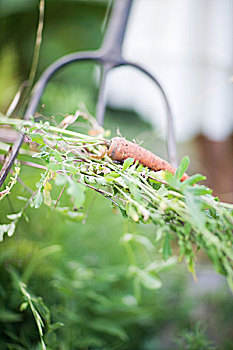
(20, 123)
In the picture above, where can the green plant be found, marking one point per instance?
(178, 209)
(194, 339)
(81, 271)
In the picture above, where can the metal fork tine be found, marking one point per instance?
(171, 143)
(7, 165)
(110, 56)
(36, 95)
(101, 103)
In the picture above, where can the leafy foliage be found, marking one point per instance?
(195, 339)
(183, 210)
(101, 302)
(91, 304)
(77, 277)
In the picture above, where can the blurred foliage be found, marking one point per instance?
(195, 339)
(76, 274)
(8, 76)
(81, 273)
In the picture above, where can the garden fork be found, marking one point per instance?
(109, 55)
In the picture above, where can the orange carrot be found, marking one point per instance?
(120, 149)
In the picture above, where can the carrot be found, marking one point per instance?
(120, 149)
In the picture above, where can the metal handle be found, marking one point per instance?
(110, 56)
(116, 28)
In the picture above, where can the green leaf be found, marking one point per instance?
(123, 212)
(127, 163)
(40, 184)
(101, 181)
(161, 265)
(7, 228)
(140, 168)
(167, 251)
(144, 241)
(148, 280)
(162, 191)
(182, 167)
(171, 180)
(14, 216)
(32, 129)
(135, 191)
(133, 213)
(112, 175)
(37, 138)
(199, 190)
(89, 179)
(191, 267)
(77, 192)
(3, 229)
(54, 326)
(193, 179)
(38, 200)
(194, 205)
(151, 282)
(57, 156)
(11, 229)
(23, 306)
(115, 178)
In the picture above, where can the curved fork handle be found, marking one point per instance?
(36, 95)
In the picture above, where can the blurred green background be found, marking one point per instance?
(81, 270)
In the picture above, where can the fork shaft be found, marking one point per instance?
(171, 142)
(114, 36)
(101, 102)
